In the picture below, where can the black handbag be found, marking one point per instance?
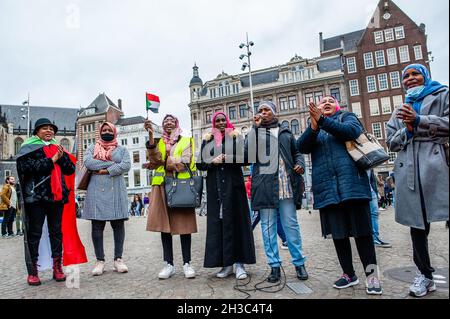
(184, 193)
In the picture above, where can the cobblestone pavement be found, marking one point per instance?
(143, 255)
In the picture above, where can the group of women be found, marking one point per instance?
(418, 131)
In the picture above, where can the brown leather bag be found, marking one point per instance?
(85, 177)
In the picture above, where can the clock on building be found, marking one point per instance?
(386, 16)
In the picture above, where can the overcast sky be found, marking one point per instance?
(66, 52)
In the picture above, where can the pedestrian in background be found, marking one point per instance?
(8, 206)
(341, 190)
(381, 193)
(106, 196)
(419, 132)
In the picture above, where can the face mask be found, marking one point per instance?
(107, 137)
(415, 91)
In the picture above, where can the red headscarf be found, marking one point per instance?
(103, 150)
(218, 135)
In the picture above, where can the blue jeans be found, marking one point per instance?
(288, 217)
(256, 218)
(374, 214)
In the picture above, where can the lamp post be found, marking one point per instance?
(27, 102)
(247, 64)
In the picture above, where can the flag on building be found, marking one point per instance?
(152, 102)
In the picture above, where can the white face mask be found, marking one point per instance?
(415, 90)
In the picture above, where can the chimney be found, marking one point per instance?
(119, 104)
(342, 43)
(321, 41)
(422, 27)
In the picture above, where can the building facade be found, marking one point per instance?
(374, 59)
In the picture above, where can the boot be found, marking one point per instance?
(33, 278)
(58, 273)
(275, 275)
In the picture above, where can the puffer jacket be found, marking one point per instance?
(265, 187)
(34, 173)
(335, 177)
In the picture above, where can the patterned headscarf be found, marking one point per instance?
(170, 139)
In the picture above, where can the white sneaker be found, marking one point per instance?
(120, 266)
(167, 272)
(99, 268)
(225, 272)
(240, 272)
(189, 272)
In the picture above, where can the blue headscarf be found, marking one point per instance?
(416, 96)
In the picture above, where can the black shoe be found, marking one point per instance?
(301, 272)
(345, 282)
(275, 275)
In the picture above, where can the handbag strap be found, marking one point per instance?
(341, 116)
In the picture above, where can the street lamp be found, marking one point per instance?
(246, 65)
(27, 102)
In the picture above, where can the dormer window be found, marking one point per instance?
(89, 111)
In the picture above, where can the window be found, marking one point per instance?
(418, 52)
(212, 93)
(392, 157)
(336, 93)
(379, 38)
(399, 33)
(392, 56)
(354, 87)
(285, 123)
(351, 65)
(356, 108)
(7, 173)
(395, 80)
(136, 157)
(379, 58)
(318, 96)
(283, 104)
(232, 113)
(85, 144)
(292, 102)
(208, 117)
(371, 84)
(127, 180)
(383, 82)
(221, 92)
(235, 88)
(404, 54)
(309, 97)
(374, 107)
(17, 144)
(368, 60)
(295, 127)
(397, 101)
(65, 143)
(137, 178)
(386, 107)
(376, 129)
(243, 111)
(135, 140)
(124, 142)
(389, 35)
(255, 107)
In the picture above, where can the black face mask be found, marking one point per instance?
(107, 137)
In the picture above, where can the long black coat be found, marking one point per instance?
(228, 240)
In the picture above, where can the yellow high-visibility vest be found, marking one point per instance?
(160, 172)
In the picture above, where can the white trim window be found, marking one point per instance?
(356, 108)
(292, 102)
(283, 104)
(389, 35)
(368, 60)
(351, 65)
(377, 131)
(379, 58)
(397, 101)
(404, 54)
(354, 87)
(392, 157)
(383, 83)
(392, 56)
(371, 84)
(395, 80)
(386, 107)
(374, 107)
(400, 32)
(379, 38)
(418, 54)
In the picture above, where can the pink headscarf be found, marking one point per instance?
(102, 149)
(218, 135)
(338, 107)
(170, 139)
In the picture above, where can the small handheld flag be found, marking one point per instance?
(152, 102)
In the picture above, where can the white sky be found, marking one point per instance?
(125, 48)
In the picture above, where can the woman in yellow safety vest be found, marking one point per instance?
(166, 157)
